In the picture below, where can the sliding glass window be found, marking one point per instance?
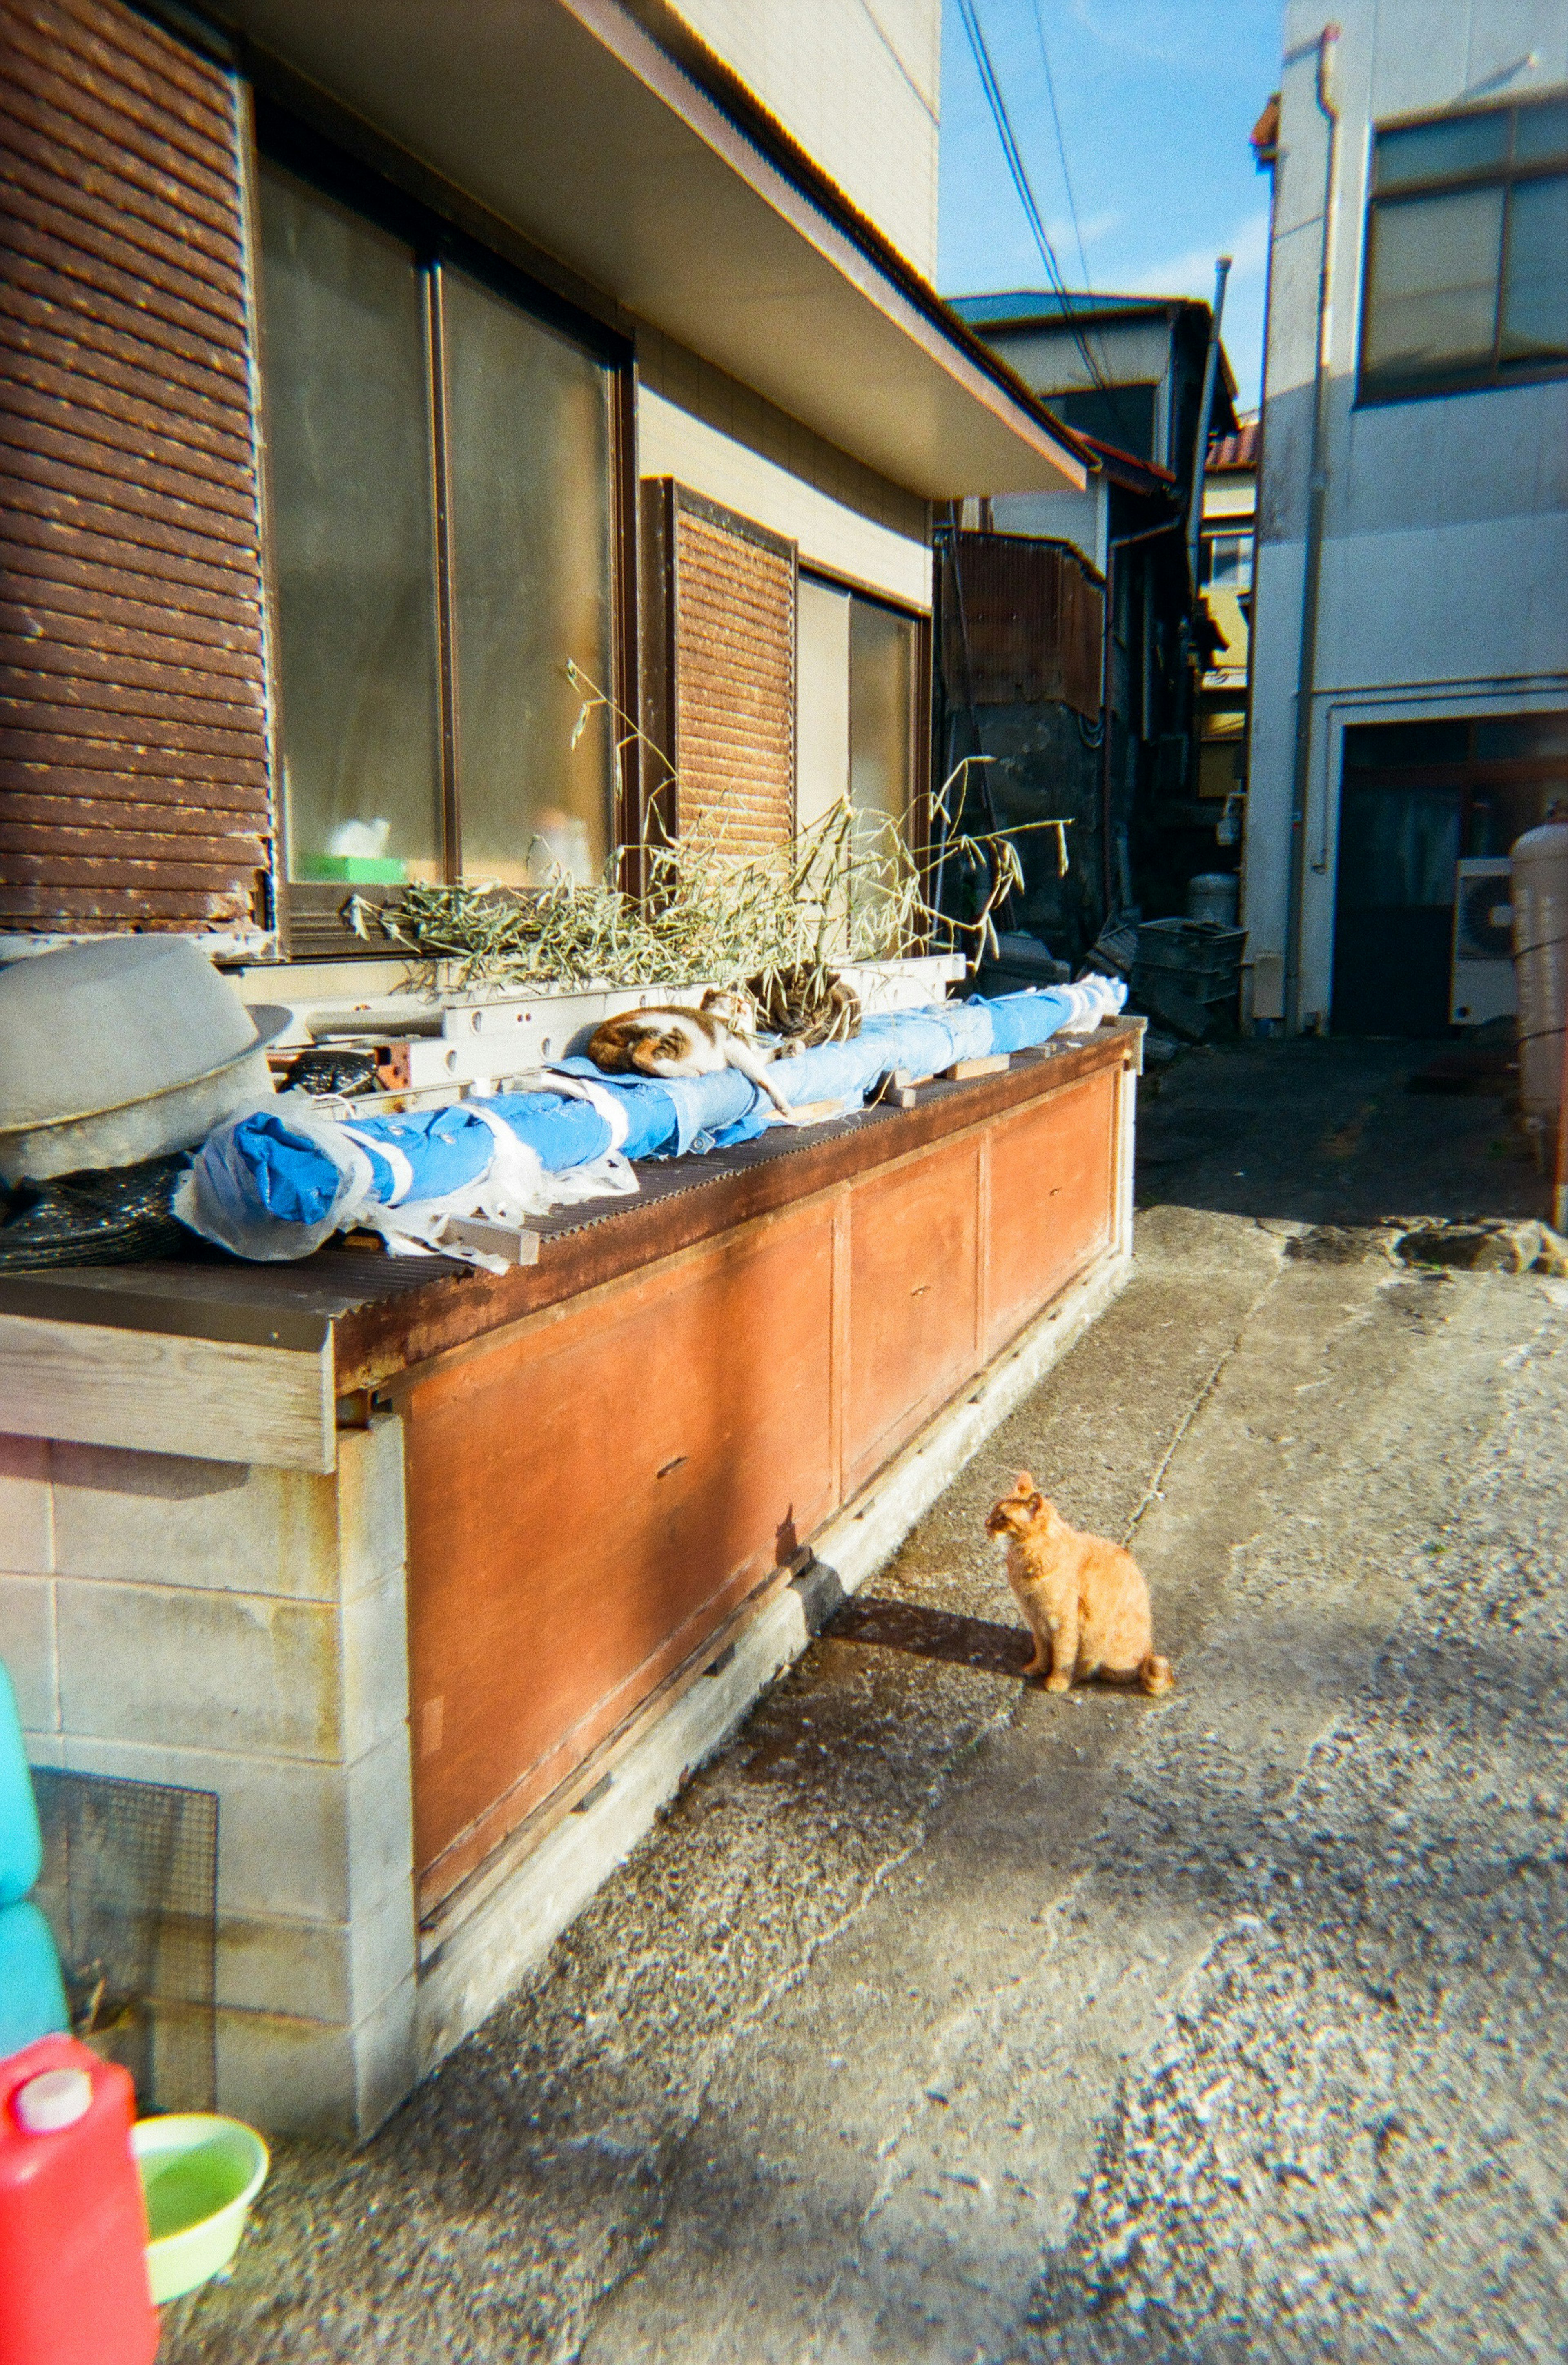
(439, 478)
(1467, 252)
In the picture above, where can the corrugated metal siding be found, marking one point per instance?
(133, 741)
(1022, 624)
(734, 679)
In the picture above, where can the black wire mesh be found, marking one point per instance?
(130, 1890)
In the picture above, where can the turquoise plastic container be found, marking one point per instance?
(32, 1994)
(21, 1849)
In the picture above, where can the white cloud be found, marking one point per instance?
(1091, 229)
(1191, 272)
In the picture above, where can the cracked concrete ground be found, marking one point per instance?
(944, 2022)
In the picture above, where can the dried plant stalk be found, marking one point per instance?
(844, 889)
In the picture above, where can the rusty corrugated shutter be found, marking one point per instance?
(721, 637)
(1022, 624)
(133, 734)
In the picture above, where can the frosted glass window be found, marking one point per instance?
(1441, 151)
(822, 699)
(349, 483)
(881, 710)
(1433, 300)
(528, 473)
(1535, 290)
(1467, 252)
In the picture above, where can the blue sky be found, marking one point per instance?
(1157, 98)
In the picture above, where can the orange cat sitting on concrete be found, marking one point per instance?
(1084, 1598)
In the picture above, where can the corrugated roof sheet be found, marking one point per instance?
(1242, 450)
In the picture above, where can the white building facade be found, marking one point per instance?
(1410, 653)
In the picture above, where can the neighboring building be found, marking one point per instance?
(1410, 661)
(1127, 372)
(1225, 574)
(371, 367)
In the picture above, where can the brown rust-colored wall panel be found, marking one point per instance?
(1052, 1183)
(1022, 622)
(912, 1280)
(719, 628)
(132, 689)
(555, 1576)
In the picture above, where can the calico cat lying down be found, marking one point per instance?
(686, 1043)
(1084, 1598)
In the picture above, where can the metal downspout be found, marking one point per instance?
(1205, 405)
(1114, 544)
(1312, 571)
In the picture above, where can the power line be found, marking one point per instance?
(1061, 144)
(1067, 180)
(970, 16)
(1011, 155)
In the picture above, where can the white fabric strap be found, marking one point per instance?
(613, 1111)
(402, 1172)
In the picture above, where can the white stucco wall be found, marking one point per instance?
(722, 440)
(857, 83)
(1445, 561)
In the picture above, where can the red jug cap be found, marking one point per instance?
(54, 2099)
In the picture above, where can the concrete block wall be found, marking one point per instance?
(261, 1614)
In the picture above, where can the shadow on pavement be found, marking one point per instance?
(1331, 1132)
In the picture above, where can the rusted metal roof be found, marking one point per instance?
(1020, 622)
(1265, 133)
(1242, 450)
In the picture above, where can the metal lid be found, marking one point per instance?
(96, 1027)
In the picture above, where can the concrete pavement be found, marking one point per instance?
(945, 2021)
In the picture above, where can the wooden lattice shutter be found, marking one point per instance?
(133, 734)
(721, 639)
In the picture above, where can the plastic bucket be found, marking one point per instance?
(199, 2175)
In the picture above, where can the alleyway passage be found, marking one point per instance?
(944, 2022)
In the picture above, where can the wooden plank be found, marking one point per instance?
(160, 691)
(1051, 1187)
(34, 320)
(913, 1243)
(105, 435)
(106, 499)
(114, 789)
(152, 100)
(170, 761)
(43, 135)
(126, 817)
(60, 596)
(218, 1400)
(124, 234)
(165, 477)
(562, 1566)
(68, 271)
(410, 1325)
(126, 563)
(107, 858)
(963, 1072)
(197, 436)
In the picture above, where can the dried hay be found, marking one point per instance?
(846, 889)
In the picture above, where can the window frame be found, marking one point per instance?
(308, 913)
(1377, 390)
(921, 746)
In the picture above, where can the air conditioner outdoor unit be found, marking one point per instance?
(1483, 942)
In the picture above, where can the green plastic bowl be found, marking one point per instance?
(199, 2176)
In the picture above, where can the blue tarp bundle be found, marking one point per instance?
(270, 1183)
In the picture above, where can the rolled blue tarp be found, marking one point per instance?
(263, 1180)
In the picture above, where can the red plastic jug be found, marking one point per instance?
(72, 2226)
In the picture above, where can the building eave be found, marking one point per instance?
(641, 171)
